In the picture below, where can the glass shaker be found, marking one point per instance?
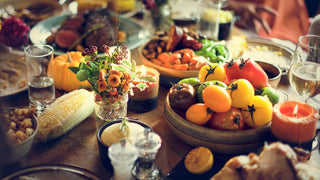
(123, 156)
(148, 144)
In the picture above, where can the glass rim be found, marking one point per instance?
(41, 46)
(301, 42)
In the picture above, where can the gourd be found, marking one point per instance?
(64, 78)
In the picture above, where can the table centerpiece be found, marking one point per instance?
(110, 77)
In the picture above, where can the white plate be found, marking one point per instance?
(39, 33)
(267, 50)
(52, 172)
(19, 62)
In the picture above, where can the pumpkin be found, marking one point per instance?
(64, 78)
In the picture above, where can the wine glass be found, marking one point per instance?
(304, 73)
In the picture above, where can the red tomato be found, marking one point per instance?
(230, 120)
(232, 70)
(253, 72)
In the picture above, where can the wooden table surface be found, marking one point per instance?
(79, 146)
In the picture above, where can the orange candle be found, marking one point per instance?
(294, 122)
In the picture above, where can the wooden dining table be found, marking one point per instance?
(79, 146)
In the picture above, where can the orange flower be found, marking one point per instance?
(98, 98)
(102, 84)
(114, 80)
(101, 74)
(126, 76)
(118, 73)
(126, 87)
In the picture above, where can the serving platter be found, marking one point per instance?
(270, 51)
(135, 35)
(31, 11)
(53, 171)
(12, 74)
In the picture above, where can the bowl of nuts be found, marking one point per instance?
(20, 126)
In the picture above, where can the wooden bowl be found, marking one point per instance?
(219, 141)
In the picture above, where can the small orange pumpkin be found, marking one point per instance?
(64, 78)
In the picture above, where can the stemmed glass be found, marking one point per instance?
(304, 73)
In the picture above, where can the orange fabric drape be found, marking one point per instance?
(291, 22)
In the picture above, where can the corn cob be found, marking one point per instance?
(65, 113)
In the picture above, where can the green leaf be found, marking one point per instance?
(74, 69)
(148, 78)
(120, 68)
(142, 86)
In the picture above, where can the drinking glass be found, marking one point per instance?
(208, 17)
(41, 88)
(304, 73)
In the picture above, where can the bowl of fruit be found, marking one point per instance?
(226, 110)
(180, 53)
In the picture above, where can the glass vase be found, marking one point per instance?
(107, 111)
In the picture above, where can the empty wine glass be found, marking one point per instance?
(304, 73)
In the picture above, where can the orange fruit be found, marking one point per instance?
(199, 160)
(199, 114)
(216, 98)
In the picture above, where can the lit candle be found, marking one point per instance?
(294, 122)
(146, 100)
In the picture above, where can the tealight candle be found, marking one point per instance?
(294, 122)
(146, 100)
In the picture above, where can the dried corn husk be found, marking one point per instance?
(65, 113)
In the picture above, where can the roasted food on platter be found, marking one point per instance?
(276, 161)
(96, 27)
(183, 49)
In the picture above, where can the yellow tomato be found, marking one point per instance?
(241, 92)
(211, 72)
(216, 98)
(259, 111)
(199, 114)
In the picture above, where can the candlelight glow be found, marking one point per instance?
(295, 110)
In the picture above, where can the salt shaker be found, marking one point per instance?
(123, 156)
(148, 144)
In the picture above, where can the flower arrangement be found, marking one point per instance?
(14, 32)
(154, 4)
(110, 76)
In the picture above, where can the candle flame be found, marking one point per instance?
(295, 110)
